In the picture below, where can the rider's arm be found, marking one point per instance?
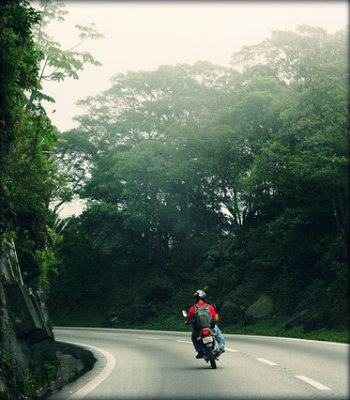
(190, 315)
(213, 313)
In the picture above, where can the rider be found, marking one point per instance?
(200, 298)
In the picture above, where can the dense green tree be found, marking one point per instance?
(299, 175)
(206, 176)
(27, 136)
(18, 65)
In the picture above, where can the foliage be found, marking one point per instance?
(27, 175)
(58, 64)
(30, 176)
(204, 176)
(18, 65)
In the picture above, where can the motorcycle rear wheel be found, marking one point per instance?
(212, 358)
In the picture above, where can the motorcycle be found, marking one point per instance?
(209, 344)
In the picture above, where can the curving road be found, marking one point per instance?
(153, 364)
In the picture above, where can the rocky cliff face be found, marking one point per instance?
(27, 353)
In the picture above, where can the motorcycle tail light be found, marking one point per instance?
(205, 332)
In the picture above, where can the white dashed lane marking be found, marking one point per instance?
(268, 362)
(148, 337)
(315, 384)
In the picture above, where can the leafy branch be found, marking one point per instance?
(58, 64)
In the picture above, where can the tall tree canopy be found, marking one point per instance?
(27, 137)
(234, 179)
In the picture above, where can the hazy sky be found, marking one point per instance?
(145, 35)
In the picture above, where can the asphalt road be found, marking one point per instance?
(152, 364)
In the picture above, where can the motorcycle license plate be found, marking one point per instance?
(207, 339)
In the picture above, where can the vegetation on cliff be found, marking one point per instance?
(27, 178)
(29, 181)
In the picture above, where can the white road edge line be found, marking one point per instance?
(317, 385)
(289, 338)
(268, 362)
(231, 350)
(82, 392)
(184, 341)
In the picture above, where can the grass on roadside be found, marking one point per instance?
(176, 323)
(275, 328)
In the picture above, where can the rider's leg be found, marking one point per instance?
(219, 337)
(196, 345)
